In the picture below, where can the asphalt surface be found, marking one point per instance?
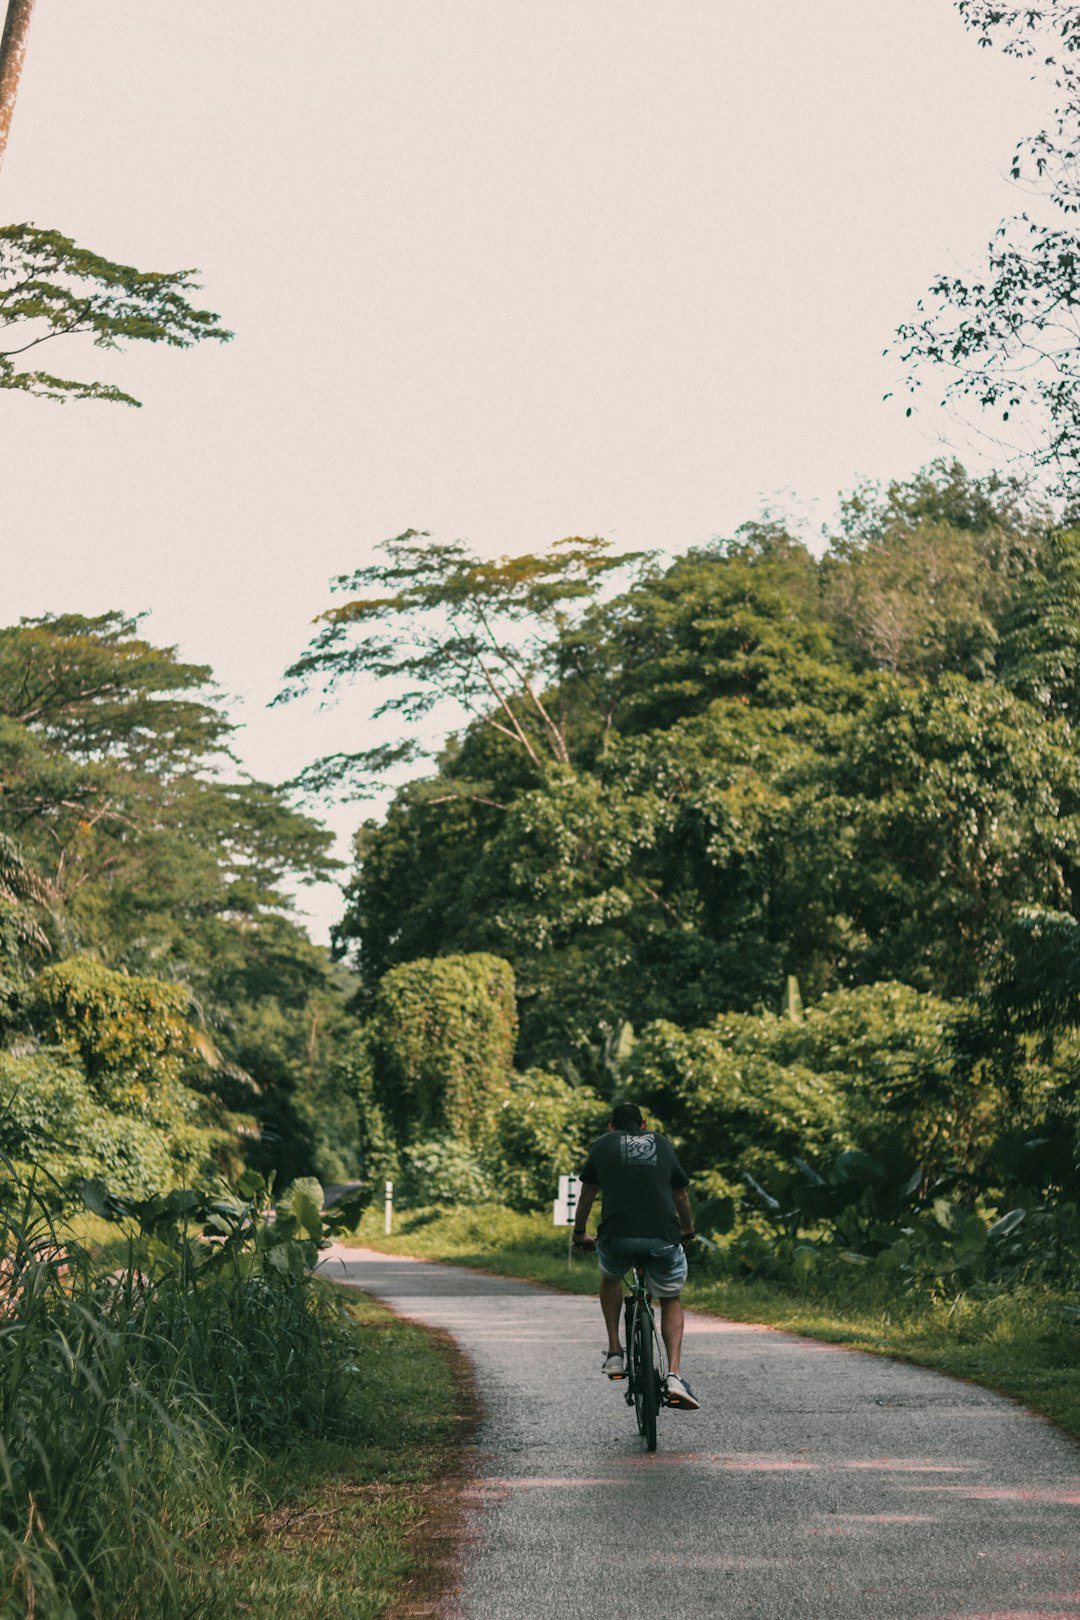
(815, 1482)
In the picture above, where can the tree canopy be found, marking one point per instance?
(850, 768)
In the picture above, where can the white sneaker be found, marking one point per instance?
(614, 1364)
(679, 1393)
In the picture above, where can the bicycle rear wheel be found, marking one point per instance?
(644, 1374)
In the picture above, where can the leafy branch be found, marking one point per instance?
(1007, 338)
(50, 288)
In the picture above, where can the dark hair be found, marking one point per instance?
(627, 1117)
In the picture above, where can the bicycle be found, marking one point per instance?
(646, 1363)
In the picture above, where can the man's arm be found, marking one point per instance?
(586, 1199)
(685, 1214)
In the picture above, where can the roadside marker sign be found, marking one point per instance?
(566, 1202)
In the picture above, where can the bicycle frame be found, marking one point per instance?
(646, 1364)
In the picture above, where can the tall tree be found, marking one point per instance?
(499, 642)
(1008, 337)
(12, 56)
(922, 575)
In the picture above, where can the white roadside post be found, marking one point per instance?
(389, 1207)
(565, 1206)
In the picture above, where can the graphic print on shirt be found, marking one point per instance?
(639, 1149)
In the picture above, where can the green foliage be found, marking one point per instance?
(728, 1103)
(50, 287)
(442, 1035)
(94, 688)
(996, 336)
(444, 626)
(441, 1171)
(131, 1034)
(1040, 643)
(739, 621)
(130, 1405)
(51, 1121)
(894, 1054)
(878, 1066)
(947, 806)
(122, 847)
(875, 1210)
(542, 1131)
(27, 904)
(839, 769)
(920, 587)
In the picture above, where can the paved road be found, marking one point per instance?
(816, 1482)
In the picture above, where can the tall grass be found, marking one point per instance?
(133, 1407)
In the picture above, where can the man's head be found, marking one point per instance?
(626, 1117)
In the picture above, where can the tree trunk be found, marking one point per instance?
(12, 54)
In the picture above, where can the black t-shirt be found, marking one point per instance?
(637, 1173)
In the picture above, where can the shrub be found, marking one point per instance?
(442, 1171)
(131, 1034)
(51, 1121)
(874, 1066)
(729, 1105)
(542, 1130)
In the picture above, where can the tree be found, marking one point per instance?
(108, 754)
(945, 806)
(1008, 338)
(50, 288)
(96, 689)
(502, 642)
(119, 840)
(922, 575)
(542, 1130)
(1039, 658)
(12, 56)
(740, 619)
(443, 1036)
(27, 903)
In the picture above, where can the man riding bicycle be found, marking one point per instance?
(646, 1221)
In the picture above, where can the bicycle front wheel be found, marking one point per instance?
(645, 1397)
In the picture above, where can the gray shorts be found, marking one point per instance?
(665, 1263)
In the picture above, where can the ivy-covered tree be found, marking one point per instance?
(442, 1038)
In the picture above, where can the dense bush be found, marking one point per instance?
(51, 1122)
(877, 1211)
(126, 1092)
(442, 1171)
(876, 1066)
(542, 1130)
(728, 1103)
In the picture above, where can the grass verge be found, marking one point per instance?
(345, 1527)
(1022, 1341)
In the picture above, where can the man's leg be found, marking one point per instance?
(671, 1326)
(611, 1298)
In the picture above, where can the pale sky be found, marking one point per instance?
(505, 270)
